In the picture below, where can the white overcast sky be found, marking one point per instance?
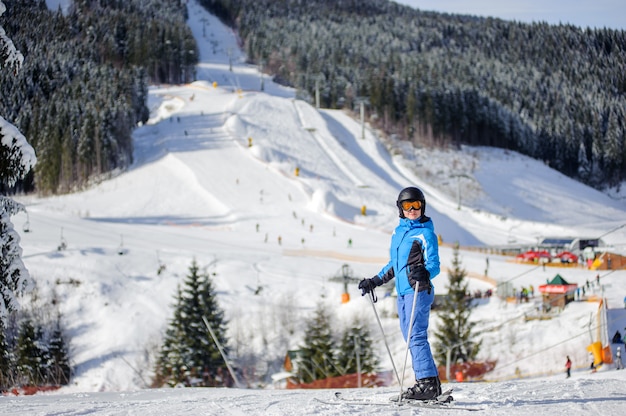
(583, 13)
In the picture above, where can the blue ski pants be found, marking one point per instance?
(423, 362)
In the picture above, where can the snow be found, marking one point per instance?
(13, 139)
(9, 134)
(197, 190)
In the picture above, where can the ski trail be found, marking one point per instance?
(323, 143)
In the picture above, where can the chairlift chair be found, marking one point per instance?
(62, 244)
(121, 250)
(26, 226)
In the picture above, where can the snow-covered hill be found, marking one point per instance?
(266, 193)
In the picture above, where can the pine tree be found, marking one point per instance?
(5, 360)
(317, 356)
(16, 159)
(33, 348)
(30, 356)
(14, 278)
(171, 368)
(58, 367)
(455, 330)
(356, 340)
(189, 355)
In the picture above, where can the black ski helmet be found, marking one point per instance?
(411, 194)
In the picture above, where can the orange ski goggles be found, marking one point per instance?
(407, 205)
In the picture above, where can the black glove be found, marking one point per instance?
(368, 285)
(420, 277)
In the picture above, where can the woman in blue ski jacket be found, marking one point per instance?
(414, 261)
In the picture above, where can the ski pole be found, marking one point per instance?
(221, 350)
(372, 301)
(408, 340)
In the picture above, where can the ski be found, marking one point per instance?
(445, 397)
(441, 402)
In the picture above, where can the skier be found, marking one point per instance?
(568, 367)
(592, 367)
(414, 261)
(618, 356)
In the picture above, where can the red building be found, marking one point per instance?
(558, 292)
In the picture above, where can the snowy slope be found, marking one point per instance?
(198, 191)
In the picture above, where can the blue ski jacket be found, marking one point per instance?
(414, 256)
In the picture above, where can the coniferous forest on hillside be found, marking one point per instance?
(555, 93)
(83, 85)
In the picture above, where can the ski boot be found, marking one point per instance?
(424, 389)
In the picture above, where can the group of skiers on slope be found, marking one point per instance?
(617, 339)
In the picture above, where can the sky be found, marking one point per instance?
(583, 13)
(214, 180)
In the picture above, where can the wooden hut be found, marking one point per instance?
(558, 292)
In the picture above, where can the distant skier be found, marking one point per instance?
(414, 262)
(592, 367)
(568, 367)
(618, 358)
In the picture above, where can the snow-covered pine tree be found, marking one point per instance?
(14, 277)
(455, 329)
(356, 339)
(170, 367)
(317, 356)
(17, 157)
(189, 355)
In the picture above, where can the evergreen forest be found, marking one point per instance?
(320, 356)
(82, 88)
(556, 93)
(34, 349)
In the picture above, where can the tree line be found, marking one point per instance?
(189, 356)
(556, 93)
(76, 89)
(324, 353)
(34, 348)
(82, 88)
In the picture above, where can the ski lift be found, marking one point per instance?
(345, 277)
(62, 244)
(26, 226)
(161, 269)
(259, 287)
(162, 266)
(121, 250)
